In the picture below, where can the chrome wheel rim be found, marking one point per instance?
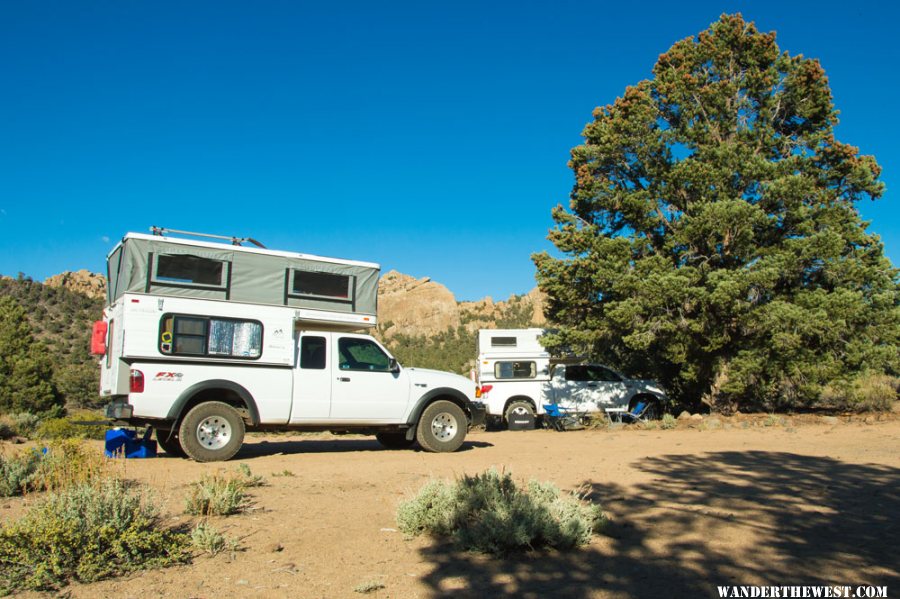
(444, 426)
(213, 432)
(520, 411)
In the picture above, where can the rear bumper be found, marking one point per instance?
(478, 412)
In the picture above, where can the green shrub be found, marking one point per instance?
(61, 465)
(86, 532)
(24, 424)
(217, 495)
(489, 513)
(208, 539)
(866, 393)
(668, 422)
(17, 472)
(66, 428)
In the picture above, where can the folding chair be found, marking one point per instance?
(563, 419)
(622, 415)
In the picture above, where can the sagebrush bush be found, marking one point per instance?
(668, 422)
(24, 423)
(86, 532)
(61, 465)
(208, 539)
(17, 472)
(489, 513)
(222, 494)
(865, 393)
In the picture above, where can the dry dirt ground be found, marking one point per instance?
(791, 503)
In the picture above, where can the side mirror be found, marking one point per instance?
(394, 366)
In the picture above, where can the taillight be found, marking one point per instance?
(483, 390)
(136, 381)
(98, 338)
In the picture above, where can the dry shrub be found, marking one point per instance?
(489, 513)
(866, 393)
(222, 494)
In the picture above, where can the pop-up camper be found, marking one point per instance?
(203, 340)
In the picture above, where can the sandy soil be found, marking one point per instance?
(690, 509)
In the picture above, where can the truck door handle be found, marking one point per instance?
(344, 379)
(592, 384)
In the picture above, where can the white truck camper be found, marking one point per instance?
(203, 341)
(517, 377)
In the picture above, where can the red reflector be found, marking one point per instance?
(98, 338)
(136, 381)
(135, 301)
(483, 390)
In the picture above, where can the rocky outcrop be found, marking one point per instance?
(421, 307)
(84, 282)
(411, 306)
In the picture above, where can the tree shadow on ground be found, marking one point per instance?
(254, 449)
(721, 518)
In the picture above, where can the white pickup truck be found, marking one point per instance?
(517, 378)
(189, 351)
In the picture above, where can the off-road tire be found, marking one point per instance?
(394, 440)
(211, 432)
(517, 407)
(442, 427)
(169, 443)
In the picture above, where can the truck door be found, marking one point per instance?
(605, 388)
(364, 388)
(312, 378)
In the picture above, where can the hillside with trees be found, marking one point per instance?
(55, 323)
(712, 240)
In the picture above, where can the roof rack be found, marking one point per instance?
(161, 231)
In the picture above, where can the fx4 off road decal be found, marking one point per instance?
(174, 377)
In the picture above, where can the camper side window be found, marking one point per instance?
(324, 285)
(182, 335)
(515, 370)
(178, 270)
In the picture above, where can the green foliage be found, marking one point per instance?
(452, 350)
(208, 539)
(86, 532)
(23, 423)
(367, 587)
(489, 513)
(222, 494)
(61, 319)
(712, 237)
(865, 393)
(24, 365)
(17, 472)
(668, 422)
(66, 428)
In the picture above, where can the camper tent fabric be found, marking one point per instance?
(243, 275)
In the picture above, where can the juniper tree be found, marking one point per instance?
(25, 369)
(712, 238)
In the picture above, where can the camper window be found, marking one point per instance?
(321, 284)
(190, 271)
(503, 341)
(207, 336)
(515, 370)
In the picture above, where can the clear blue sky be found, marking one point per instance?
(430, 137)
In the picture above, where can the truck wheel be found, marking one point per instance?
(442, 427)
(521, 409)
(170, 443)
(394, 440)
(212, 431)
